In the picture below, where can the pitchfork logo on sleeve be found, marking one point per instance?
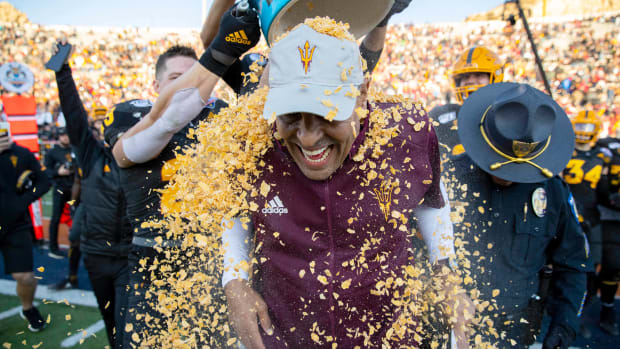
(275, 206)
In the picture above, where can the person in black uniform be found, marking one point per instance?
(475, 68)
(22, 181)
(521, 215)
(583, 174)
(142, 177)
(60, 168)
(106, 230)
(609, 209)
(77, 217)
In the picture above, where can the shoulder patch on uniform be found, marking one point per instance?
(606, 152)
(211, 103)
(141, 103)
(613, 145)
(447, 117)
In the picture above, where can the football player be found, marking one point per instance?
(610, 224)
(583, 174)
(477, 67)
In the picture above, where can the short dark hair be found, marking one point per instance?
(174, 51)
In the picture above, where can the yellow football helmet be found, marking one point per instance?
(477, 59)
(587, 126)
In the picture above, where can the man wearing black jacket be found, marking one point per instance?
(21, 182)
(60, 167)
(106, 231)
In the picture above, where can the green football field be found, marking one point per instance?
(68, 326)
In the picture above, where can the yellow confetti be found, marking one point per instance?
(302, 273)
(68, 317)
(231, 341)
(272, 118)
(106, 305)
(264, 188)
(322, 279)
(128, 327)
(40, 269)
(495, 292)
(346, 284)
(332, 114)
(327, 103)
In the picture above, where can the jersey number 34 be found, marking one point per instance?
(575, 175)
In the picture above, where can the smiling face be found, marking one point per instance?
(318, 146)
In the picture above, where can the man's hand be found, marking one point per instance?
(210, 26)
(559, 337)
(464, 310)
(61, 42)
(64, 171)
(398, 7)
(244, 306)
(458, 307)
(235, 37)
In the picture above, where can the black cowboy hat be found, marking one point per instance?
(516, 132)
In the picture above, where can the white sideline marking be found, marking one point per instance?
(90, 331)
(75, 297)
(13, 311)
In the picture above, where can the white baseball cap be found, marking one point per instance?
(313, 73)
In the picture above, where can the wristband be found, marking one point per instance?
(216, 62)
(371, 57)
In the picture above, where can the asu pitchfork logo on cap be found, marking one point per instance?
(306, 56)
(238, 37)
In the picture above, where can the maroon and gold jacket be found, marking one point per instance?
(326, 248)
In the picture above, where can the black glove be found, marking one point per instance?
(235, 37)
(614, 200)
(398, 7)
(559, 337)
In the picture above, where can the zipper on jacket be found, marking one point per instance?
(331, 262)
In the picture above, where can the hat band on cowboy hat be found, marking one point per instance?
(515, 132)
(521, 149)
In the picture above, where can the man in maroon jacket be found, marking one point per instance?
(347, 175)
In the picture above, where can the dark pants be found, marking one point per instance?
(137, 304)
(109, 278)
(60, 197)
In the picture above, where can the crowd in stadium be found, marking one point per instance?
(581, 63)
